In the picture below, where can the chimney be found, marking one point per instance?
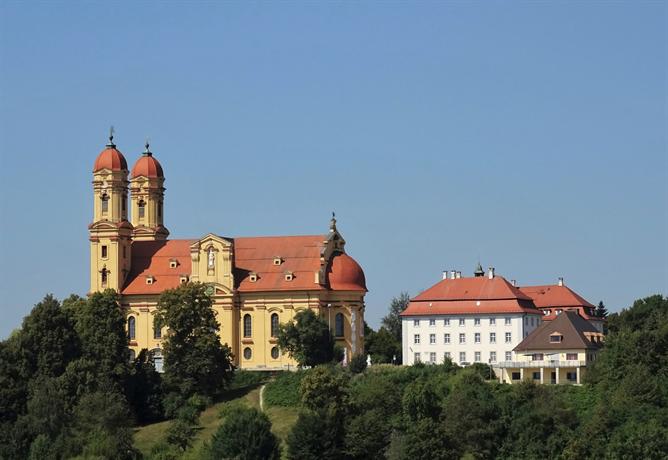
(445, 274)
(513, 282)
(561, 281)
(490, 273)
(452, 274)
(458, 275)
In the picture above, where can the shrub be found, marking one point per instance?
(245, 434)
(357, 364)
(284, 390)
(245, 379)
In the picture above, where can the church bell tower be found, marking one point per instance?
(110, 233)
(148, 194)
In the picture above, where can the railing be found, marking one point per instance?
(538, 364)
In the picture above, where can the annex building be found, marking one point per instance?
(256, 282)
(548, 331)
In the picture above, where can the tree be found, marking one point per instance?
(325, 388)
(144, 389)
(601, 311)
(392, 321)
(308, 340)
(383, 347)
(195, 360)
(315, 437)
(357, 364)
(245, 434)
(100, 325)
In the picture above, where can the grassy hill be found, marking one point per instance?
(282, 418)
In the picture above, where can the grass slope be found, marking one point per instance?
(282, 420)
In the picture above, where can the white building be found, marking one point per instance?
(478, 319)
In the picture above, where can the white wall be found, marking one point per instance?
(517, 328)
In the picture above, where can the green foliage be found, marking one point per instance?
(315, 436)
(183, 428)
(392, 321)
(284, 389)
(245, 434)
(357, 364)
(324, 388)
(308, 340)
(383, 346)
(144, 389)
(195, 360)
(247, 379)
(601, 311)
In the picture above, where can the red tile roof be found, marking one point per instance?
(478, 295)
(153, 258)
(553, 297)
(147, 166)
(300, 256)
(110, 158)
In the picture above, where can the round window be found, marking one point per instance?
(274, 352)
(248, 353)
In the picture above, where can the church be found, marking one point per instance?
(256, 283)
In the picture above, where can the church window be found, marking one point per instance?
(105, 203)
(248, 353)
(274, 352)
(131, 328)
(156, 354)
(274, 324)
(248, 326)
(104, 251)
(157, 328)
(104, 273)
(142, 208)
(338, 325)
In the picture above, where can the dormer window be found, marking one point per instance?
(105, 203)
(556, 337)
(278, 260)
(173, 263)
(183, 279)
(150, 279)
(252, 277)
(289, 276)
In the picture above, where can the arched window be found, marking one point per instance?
(274, 324)
(248, 327)
(157, 328)
(131, 327)
(248, 353)
(141, 206)
(338, 325)
(105, 203)
(103, 273)
(156, 354)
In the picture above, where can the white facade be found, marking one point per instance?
(487, 338)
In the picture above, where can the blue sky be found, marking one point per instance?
(531, 136)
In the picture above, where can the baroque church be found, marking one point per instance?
(256, 283)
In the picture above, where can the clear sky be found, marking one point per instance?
(529, 135)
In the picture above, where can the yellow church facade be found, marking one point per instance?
(256, 283)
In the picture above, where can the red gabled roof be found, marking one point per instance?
(478, 295)
(299, 254)
(153, 258)
(554, 296)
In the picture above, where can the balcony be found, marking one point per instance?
(539, 364)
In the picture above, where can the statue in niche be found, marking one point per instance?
(211, 259)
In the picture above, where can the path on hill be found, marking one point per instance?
(262, 398)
